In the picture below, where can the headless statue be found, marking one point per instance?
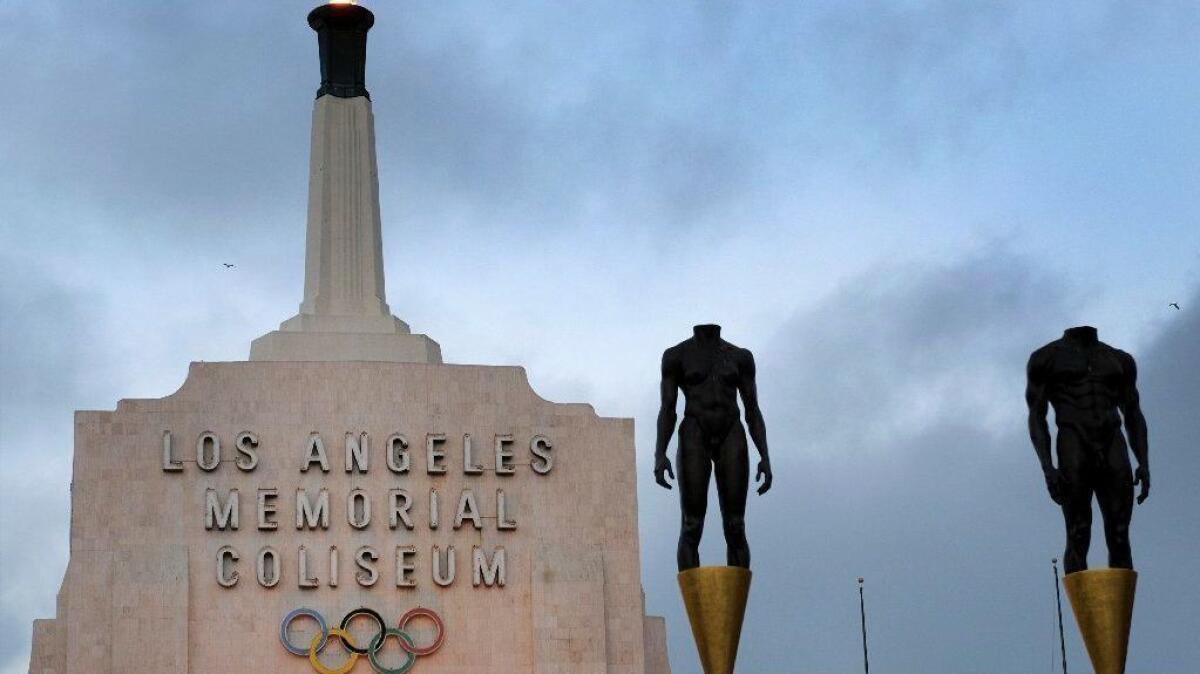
(1087, 382)
(711, 372)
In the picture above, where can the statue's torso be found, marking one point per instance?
(1084, 385)
(709, 377)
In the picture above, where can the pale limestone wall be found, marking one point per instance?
(395, 347)
(140, 593)
(655, 639)
(47, 656)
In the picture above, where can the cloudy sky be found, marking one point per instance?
(890, 202)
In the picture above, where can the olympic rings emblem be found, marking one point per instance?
(374, 646)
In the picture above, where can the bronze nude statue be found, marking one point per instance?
(1092, 388)
(711, 372)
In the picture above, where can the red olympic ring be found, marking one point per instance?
(420, 612)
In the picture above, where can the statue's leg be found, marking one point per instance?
(694, 470)
(733, 480)
(1114, 494)
(1077, 498)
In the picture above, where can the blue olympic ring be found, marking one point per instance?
(290, 618)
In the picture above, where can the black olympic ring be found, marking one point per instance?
(370, 613)
(375, 645)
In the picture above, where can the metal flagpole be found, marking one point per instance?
(862, 609)
(1062, 642)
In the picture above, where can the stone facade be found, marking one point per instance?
(141, 592)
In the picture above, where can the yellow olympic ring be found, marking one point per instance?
(346, 639)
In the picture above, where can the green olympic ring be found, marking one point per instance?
(406, 641)
(406, 644)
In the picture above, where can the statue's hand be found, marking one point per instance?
(1056, 484)
(1142, 476)
(662, 468)
(764, 475)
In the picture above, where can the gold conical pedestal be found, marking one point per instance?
(1102, 600)
(715, 598)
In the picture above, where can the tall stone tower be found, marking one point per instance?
(343, 495)
(344, 315)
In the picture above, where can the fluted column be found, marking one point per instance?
(344, 314)
(343, 269)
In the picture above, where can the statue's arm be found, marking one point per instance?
(669, 392)
(748, 387)
(1039, 429)
(1135, 424)
(1039, 406)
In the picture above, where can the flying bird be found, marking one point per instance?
(1174, 304)
(228, 266)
